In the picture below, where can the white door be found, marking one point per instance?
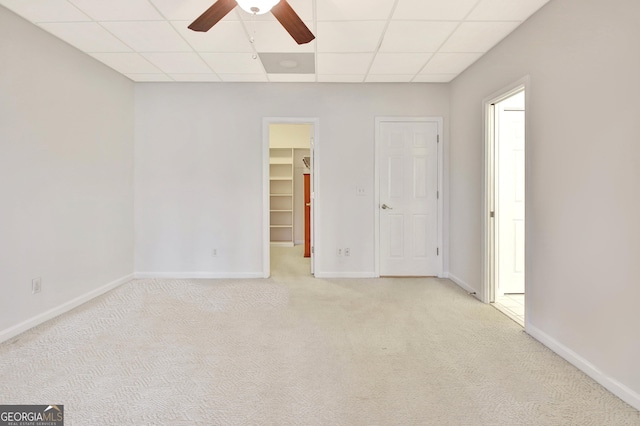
(510, 195)
(408, 193)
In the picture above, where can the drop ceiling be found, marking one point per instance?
(423, 41)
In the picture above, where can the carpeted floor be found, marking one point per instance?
(294, 350)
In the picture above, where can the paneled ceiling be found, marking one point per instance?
(356, 40)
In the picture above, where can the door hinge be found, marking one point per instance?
(438, 251)
(438, 138)
(313, 249)
(492, 214)
(437, 195)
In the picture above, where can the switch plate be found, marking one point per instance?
(36, 285)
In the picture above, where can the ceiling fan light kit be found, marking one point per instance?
(257, 7)
(281, 10)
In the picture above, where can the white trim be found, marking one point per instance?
(198, 275)
(463, 285)
(612, 385)
(440, 148)
(13, 331)
(315, 205)
(487, 195)
(346, 275)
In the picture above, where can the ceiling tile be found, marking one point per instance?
(178, 62)
(434, 78)
(86, 36)
(478, 36)
(46, 10)
(118, 10)
(344, 63)
(433, 10)
(353, 10)
(450, 63)
(127, 63)
(270, 36)
(389, 78)
(350, 36)
(243, 78)
(187, 10)
(195, 77)
(416, 36)
(149, 36)
(149, 77)
(233, 63)
(398, 63)
(505, 10)
(298, 78)
(225, 36)
(337, 78)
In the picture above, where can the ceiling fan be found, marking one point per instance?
(282, 11)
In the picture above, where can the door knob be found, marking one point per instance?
(386, 207)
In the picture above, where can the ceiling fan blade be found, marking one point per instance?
(291, 22)
(211, 16)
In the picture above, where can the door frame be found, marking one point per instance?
(315, 190)
(488, 221)
(440, 149)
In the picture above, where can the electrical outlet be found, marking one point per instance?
(347, 251)
(36, 285)
(339, 252)
(214, 252)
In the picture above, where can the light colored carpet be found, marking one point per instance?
(294, 350)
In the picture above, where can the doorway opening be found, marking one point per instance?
(290, 170)
(505, 148)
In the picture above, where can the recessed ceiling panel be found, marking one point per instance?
(505, 10)
(86, 36)
(225, 36)
(118, 10)
(354, 10)
(478, 36)
(434, 10)
(450, 63)
(178, 62)
(46, 10)
(416, 36)
(344, 63)
(233, 63)
(355, 36)
(127, 63)
(288, 63)
(157, 36)
(399, 63)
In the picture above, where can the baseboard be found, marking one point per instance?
(615, 387)
(198, 275)
(61, 309)
(460, 283)
(345, 275)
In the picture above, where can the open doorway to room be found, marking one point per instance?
(506, 203)
(289, 196)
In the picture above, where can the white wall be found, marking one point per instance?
(198, 170)
(66, 175)
(583, 159)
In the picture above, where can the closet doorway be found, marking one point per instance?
(290, 194)
(506, 165)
